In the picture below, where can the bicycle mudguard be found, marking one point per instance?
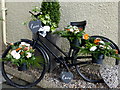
(108, 41)
(43, 50)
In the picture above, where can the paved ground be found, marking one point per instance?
(6, 85)
(3, 84)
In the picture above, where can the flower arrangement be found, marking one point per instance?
(71, 32)
(21, 53)
(97, 46)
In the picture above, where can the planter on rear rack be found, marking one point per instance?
(97, 58)
(22, 67)
(76, 42)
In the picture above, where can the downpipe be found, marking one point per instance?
(4, 21)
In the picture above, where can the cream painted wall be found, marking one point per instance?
(18, 13)
(101, 17)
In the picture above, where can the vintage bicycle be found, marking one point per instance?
(83, 64)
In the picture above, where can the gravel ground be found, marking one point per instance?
(77, 82)
(52, 80)
(74, 83)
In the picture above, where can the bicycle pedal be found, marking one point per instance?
(66, 77)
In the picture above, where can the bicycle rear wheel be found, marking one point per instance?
(90, 71)
(27, 78)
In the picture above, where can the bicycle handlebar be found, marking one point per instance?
(36, 14)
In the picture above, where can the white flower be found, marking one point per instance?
(102, 47)
(70, 26)
(46, 28)
(93, 48)
(29, 55)
(75, 27)
(71, 30)
(28, 45)
(24, 43)
(41, 29)
(13, 52)
(102, 42)
(76, 31)
(98, 39)
(16, 56)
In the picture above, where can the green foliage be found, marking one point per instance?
(52, 9)
(50, 14)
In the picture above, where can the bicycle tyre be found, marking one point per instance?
(32, 71)
(84, 69)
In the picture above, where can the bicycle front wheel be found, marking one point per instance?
(90, 71)
(24, 78)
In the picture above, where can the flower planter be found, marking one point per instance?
(98, 59)
(81, 24)
(22, 67)
(75, 44)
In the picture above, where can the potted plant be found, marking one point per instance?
(22, 56)
(99, 49)
(73, 34)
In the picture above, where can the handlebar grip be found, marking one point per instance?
(31, 13)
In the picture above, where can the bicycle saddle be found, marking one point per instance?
(81, 24)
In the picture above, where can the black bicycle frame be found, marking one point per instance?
(51, 52)
(46, 47)
(66, 55)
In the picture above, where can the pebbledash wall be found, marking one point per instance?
(101, 17)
